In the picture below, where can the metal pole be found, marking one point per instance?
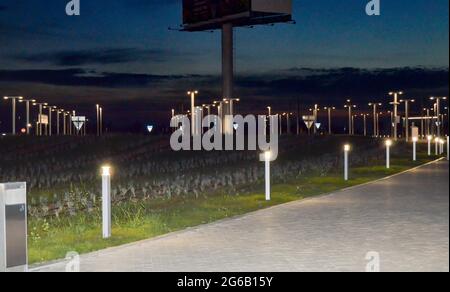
(329, 121)
(227, 60)
(28, 116)
(407, 119)
(14, 116)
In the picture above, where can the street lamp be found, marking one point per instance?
(407, 102)
(350, 108)
(329, 109)
(40, 119)
(436, 142)
(388, 153)
(365, 123)
(395, 103)
(27, 103)
(347, 149)
(97, 107)
(438, 112)
(376, 127)
(13, 99)
(192, 95)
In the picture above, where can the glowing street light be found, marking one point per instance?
(27, 103)
(395, 103)
(106, 201)
(350, 108)
(347, 149)
(415, 139)
(97, 107)
(41, 105)
(407, 102)
(388, 153)
(438, 112)
(329, 109)
(376, 127)
(429, 140)
(365, 123)
(192, 95)
(267, 158)
(13, 99)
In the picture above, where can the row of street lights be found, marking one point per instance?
(42, 119)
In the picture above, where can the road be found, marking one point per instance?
(401, 222)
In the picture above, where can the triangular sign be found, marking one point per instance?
(309, 124)
(78, 125)
(318, 125)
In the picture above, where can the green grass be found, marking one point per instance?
(52, 239)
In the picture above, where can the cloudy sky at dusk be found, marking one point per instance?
(119, 51)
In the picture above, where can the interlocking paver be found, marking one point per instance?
(404, 218)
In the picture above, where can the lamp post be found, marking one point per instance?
(101, 121)
(395, 103)
(346, 162)
(97, 107)
(388, 153)
(438, 113)
(375, 106)
(192, 95)
(267, 157)
(407, 103)
(27, 105)
(58, 123)
(415, 139)
(350, 108)
(49, 126)
(41, 105)
(329, 109)
(365, 123)
(13, 100)
(106, 201)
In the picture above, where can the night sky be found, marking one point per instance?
(122, 54)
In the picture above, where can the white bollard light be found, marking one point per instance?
(436, 142)
(106, 201)
(415, 139)
(448, 148)
(388, 153)
(267, 156)
(346, 163)
(429, 138)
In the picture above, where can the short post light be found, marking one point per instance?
(436, 145)
(267, 157)
(388, 153)
(415, 139)
(448, 148)
(106, 201)
(429, 139)
(347, 149)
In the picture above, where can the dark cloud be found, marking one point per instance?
(82, 77)
(97, 57)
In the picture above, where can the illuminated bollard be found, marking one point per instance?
(436, 142)
(429, 138)
(346, 163)
(415, 148)
(267, 156)
(106, 201)
(448, 148)
(388, 153)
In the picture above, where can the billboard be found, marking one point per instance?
(201, 15)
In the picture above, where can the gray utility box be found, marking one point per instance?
(13, 227)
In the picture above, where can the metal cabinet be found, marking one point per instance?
(13, 227)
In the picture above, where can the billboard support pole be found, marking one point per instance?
(227, 67)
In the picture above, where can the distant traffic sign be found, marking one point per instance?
(78, 122)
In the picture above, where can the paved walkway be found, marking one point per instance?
(405, 219)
